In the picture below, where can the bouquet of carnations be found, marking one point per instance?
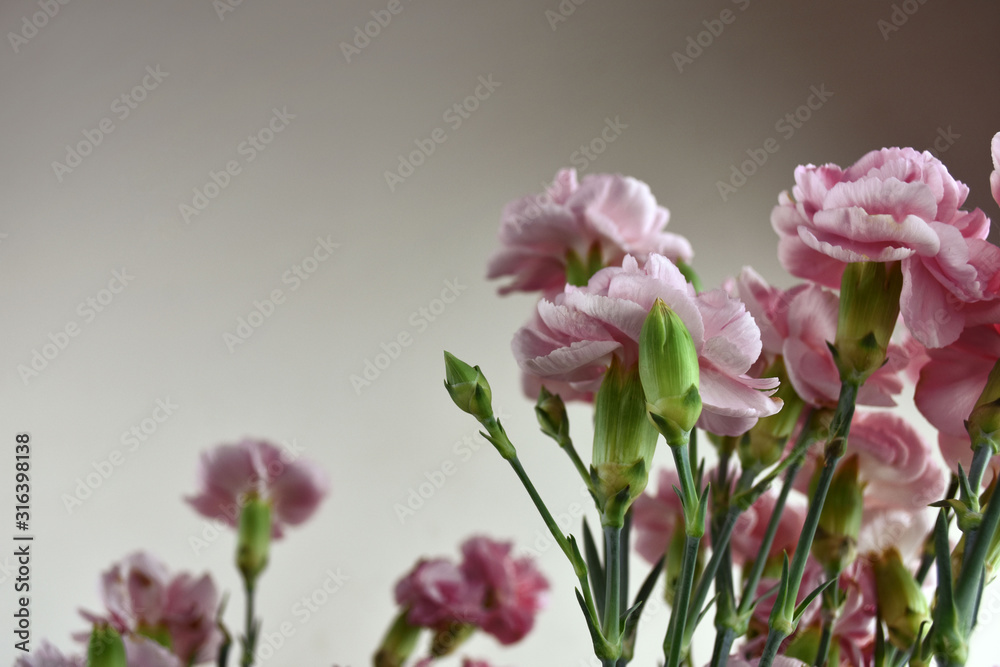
(806, 526)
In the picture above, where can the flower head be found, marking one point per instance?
(233, 474)
(570, 343)
(895, 204)
(47, 655)
(575, 229)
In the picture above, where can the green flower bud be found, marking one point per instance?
(624, 442)
(468, 387)
(869, 308)
(984, 422)
(840, 521)
(253, 539)
(668, 366)
(106, 648)
(398, 643)
(551, 413)
(765, 442)
(901, 603)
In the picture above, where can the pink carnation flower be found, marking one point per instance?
(47, 655)
(894, 204)
(490, 589)
(572, 340)
(140, 595)
(951, 383)
(231, 474)
(995, 176)
(798, 324)
(618, 213)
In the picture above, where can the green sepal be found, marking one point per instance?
(801, 608)
(782, 615)
(602, 649)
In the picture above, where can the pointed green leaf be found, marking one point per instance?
(594, 567)
(799, 610)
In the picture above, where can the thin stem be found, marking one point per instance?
(612, 598)
(250, 638)
(839, 430)
(678, 615)
(970, 579)
(980, 458)
(566, 444)
(830, 606)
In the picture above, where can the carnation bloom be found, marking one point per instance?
(232, 474)
(995, 176)
(141, 597)
(570, 343)
(799, 324)
(951, 383)
(894, 204)
(616, 214)
(47, 655)
(490, 589)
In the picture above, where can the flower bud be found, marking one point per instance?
(668, 366)
(984, 422)
(253, 538)
(765, 443)
(398, 643)
(624, 441)
(551, 413)
(468, 388)
(900, 601)
(106, 648)
(869, 308)
(840, 521)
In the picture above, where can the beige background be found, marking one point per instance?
(322, 176)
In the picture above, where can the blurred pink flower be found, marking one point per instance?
(47, 655)
(437, 594)
(618, 213)
(748, 533)
(231, 474)
(140, 596)
(902, 475)
(798, 324)
(490, 589)
(951, 383)
(655, 516)
(779, 661)
(513, 589)
(144, 652)
(854, 629)
(894, 204)
(571, 341)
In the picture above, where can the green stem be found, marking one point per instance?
(830, 606)
(678, 615)
(839, 430)
(723, 644)
(250, 638)
(567, 445)
(612, 594)
(970, 579)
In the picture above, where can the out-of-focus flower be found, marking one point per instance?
(144, 652)
(437, 593)
(951, 383)
(232, 474)
(142, 598)
(656, 516)
(995, 176)
(571, 231)
(748, 533)
(893, 204)
(902, 476)
(779, 661)
(513, 589)
(570, 343)
(490, 590)
(799, 324)
(47, 655)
